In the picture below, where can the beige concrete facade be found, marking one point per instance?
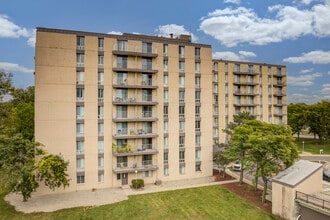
(121, 107)
(257, 88)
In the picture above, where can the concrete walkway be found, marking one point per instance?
(53, 202)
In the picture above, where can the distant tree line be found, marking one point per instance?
(315, 118)
(23, 162)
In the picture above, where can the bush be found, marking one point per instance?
(138, 183)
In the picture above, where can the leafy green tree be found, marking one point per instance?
(221, 160)
(23, 120)
(22, 96)
(5, 83)
(297, 117)
(18, 161)
(238, 119)
(272, 147)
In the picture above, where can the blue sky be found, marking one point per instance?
(292, 33)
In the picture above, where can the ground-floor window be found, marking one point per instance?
(80, 179)
(147, 173)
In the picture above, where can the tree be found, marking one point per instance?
(5, 83)
(238, 119)
(221, 160)
(18, 160)
(271, 146)
(297, 117)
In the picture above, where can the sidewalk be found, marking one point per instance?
(53, 202)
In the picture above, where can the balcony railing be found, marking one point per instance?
(247, 71)
(134, 116)
(135, 133)
(144, 98)
(131, 83)
(129, 150)
(242, 92)
(245, 82)
(134, 67)
(134, 50)
(131, 167)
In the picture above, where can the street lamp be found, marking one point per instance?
(303, 146)
(136, 178)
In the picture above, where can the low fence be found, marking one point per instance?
(313, 200)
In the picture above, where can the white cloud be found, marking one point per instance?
(228, 55)
(11, 67)
(306, 71)
(176, 30)
(316, 57)
(232, 1)
(242, 25)
(115, 33)
(32, 38)
(304, 80)
(326, 90)
(308, 99)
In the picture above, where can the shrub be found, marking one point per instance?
(138, 183)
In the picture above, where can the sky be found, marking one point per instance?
(293, 33)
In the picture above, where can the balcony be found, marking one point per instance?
(134, 67)
(242, 104)
(133, 133)
(278, 104)
(246, 71)
(279, 84)
(133, 50)
(279, 74)
(279, 93)
(134, 84)
(142, 100)
(245, 82)
(131, 167)
(133, 116)
(135, 150)
(245, 93)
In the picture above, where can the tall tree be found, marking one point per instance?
(297, 117)
(5, 83)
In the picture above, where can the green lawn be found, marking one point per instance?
(313, 146)
(212, 202)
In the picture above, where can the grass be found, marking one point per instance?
(313, 145)
(211, 202)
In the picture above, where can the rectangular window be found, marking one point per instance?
(181, 141)
(165, 111)
(80, 60)
(165, 80)
(121, 111)
(146, 79)
(197, 125)
(165, 127)
(165, 65)
(237, 68)
(100, 147)
(100, 177)
(80, 42)
(198, 155)
(100, 61)
(80, 129)
(165, 157)
(122, 78)
(122, 94)
(147, 63)
(165, 142)
(181, 156)
(181, 96)
(121, 128)
(166, 173)
(101, 44)
(80, 112)
(215, 66)
(165, 96)
(146, 95)
(80, 147)
(226, 67)
(121, 161)
(122, 45)
(80, 179)
(198, 167)
(197, 82)
(165, 50)
(122, 62)
(100, 110)
(181, 126)
(197, 53)
(197, 96)
(215, 77)
(80, 164)
(146, 160)
(100, 129)
(181, 81)
(100, 163)
(181, 66)
(197, 67)
(198, 140)
(182, 169)
(80, 77)
(146, 48)
(147, 173)
(100, 95)
(181, 111)
(181, 51)
(100, 78)
(147, 111)
(197, 111)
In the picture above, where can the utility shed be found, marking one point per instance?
(304, 176)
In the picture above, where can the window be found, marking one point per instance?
(182, 169)
(122, 94)
(121, 128)
(198, 167)
(237, 68)
(181, 111)
(181, 96)
(181, 156)
(165, 157)
(80, 129)
(146, 160)
(80, 147)
(101, 44)
(147, 63)
(100, 177)
(197, 82)
(197, 67)
(197, 96)
(166, 173)
(121, 111)
(100, 147)
(100, 78)
(198, 140)
(165, 96)
(122, 78)
(165, 50)
(215, 66)
(80, 164)
(226, 77)
(181, 51)
(80, 112)
(165, 65)
(100, 110)
(121, 61)
(197, 125)
(165, 142)
(80, 60)
(181, 81)
(181, 66)
(215, 99)
(147, 111)
(197, 111)
(198, 155)
(122, 45)
(197, 52)
(80, 42)
(147, 173)
(147, 143)
(100, 163)
(215, 89)
(165, 127)
(146, 95)
(100, 61)
(181, 126)
(181, 141)
(100, 129)
(147, 127)
(146, 79)
(226, 67)
(146, 48)
(165, 80)
(122, 161)
(165, 111)
(80, 179)
(100, 95)
(215, 77)
(80, 77)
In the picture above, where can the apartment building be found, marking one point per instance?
(257, 88)
(121, 107)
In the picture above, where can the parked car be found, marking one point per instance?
(326, 175)
(237, 166)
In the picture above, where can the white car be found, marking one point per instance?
(237, 166)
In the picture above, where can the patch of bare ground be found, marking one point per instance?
(245, 191)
